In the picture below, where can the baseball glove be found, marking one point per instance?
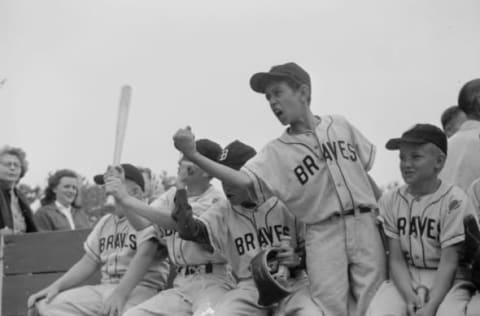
(472, 247)
(271, 278)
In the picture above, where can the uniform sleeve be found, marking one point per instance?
(148, 233)
(451, 224)
(263, 170)
(92, 244)
(388, 216)
(217, 225)
(474, 195)
(365, 149)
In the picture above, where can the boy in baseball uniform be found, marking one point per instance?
(240, 229)
(318, 169)
(423, 221)
(202, 276)
(132, 265)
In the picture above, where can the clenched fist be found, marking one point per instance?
(184, 141)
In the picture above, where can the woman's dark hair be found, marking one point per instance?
(53, 182)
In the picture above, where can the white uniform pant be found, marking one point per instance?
(242, 301)
(345, 259)
(88, 300)
(194, 294)
(389, 301)
(473, 307)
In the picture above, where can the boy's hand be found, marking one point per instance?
(113, 305)
(426, 310)
(48, 293)
(286, 255)
(413, 304)
(115, 186)
(184, 141)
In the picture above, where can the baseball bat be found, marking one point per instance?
(122, 119)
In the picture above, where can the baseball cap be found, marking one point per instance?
(421, 134)
(236, 154)
(208, 148)
(131, 173)
(260, 80)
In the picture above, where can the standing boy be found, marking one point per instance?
(132, 264)
(318, 168)
(424, 223)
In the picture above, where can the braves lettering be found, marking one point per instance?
(123, 240)
(265, 236)
(309, 165)
(425, 227)
(332, 150)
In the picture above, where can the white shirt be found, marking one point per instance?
(463, 159)
(67, 211)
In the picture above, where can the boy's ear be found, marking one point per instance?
(305, 93)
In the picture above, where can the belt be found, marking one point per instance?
(195, 268)
(360, 210)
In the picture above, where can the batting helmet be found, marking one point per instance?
(271, 283)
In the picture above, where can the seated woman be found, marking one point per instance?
(59, 210)
(15, 214)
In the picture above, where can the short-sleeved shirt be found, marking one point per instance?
(241, 233)
(113, 243)
(184, 252)
(462, 166)
(427, 224)
(316, 174)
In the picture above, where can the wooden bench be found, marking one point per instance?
(33, 261)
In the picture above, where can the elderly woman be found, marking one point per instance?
(15, 214)
(59, 210)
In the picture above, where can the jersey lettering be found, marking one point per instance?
(332, 150)
(426, 227)
(118, 241)
(266, 236)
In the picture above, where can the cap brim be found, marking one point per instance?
(260, 80)
(394, 143)
(98, 179)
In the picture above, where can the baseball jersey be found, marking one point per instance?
(240, 233)
(427, 224)
(462, 166)
(316, 174)
(184, 252)
(474, 195)
(113, 243)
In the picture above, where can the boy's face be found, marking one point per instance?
(133, 189)
(235, 195)
(419, 163)
(193, 171)
(287, 104)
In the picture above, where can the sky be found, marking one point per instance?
(384, 65)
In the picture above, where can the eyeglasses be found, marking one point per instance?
(10, 164)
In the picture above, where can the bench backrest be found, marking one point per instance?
(33, 261)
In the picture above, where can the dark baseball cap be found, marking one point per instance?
(131, 173)
(421, 134)
(208, 148)
(236, 154)
(260, 80)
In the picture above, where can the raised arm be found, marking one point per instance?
(184, 141)
(138, 212)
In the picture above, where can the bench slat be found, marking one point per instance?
(43, 252)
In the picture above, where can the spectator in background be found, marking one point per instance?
(452, 118)
(59, 210)
(463, 159)
(15, 214)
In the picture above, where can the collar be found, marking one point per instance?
(62, 208)
(469, 125)
(441, 190)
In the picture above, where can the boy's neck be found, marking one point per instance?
(308, 122)
(196, 189)
(425, 187)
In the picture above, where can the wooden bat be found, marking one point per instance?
(122, 119)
